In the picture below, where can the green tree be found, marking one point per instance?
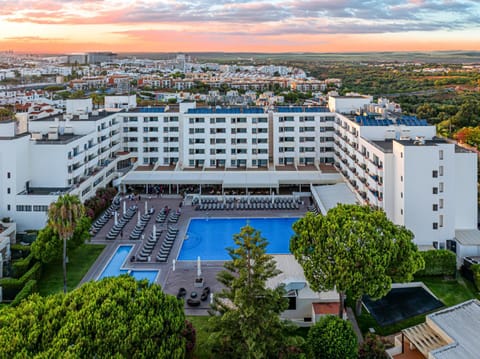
(64, 216)
(47, 247)
(245, 321)
(356, 249)
(6, 114)
(332, 338)
(113, 318)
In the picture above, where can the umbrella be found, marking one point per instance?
(115, 216)
(199, 269)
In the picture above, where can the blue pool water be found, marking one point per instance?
(208, 238)
(115, 266)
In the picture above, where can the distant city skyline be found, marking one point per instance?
(58, 26)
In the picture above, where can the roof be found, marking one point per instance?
(462, 324)
(328, 196)
(385, 146)
(231, 179)
(325, 308)
(424, 338)
(468, 237)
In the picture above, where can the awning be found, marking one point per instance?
(424, 338)
(329, 196)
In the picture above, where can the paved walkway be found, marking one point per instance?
(185, 271)
(356, 328)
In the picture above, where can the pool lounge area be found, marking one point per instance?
(117, 265)
(208, 238)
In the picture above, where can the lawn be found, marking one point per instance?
(449, 291)
(201, 326)
(79, 263)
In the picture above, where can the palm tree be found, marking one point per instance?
(63, 217)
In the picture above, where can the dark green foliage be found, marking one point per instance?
(373, 347)
(354, 248)
(438, 262)
(29, 288)
(190, 335)
(332, 338)
(20, 266)
(19, 251)
(48, 246)
(12, 286)
(476, 275)
(245, 320)
(113, 318)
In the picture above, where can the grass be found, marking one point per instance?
(201, 326)
(79, 263)
(449, 291)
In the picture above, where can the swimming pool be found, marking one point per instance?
(115, 266)
(209, 237)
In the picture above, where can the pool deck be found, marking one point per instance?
(185, 271)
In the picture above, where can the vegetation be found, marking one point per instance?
(115, 317)
(64, 216)
(356, 249)
(48, 245)
(79, 262)
(373, 347)
(438, 262)
(476, 274)
(95, 205)
(332, 338)
(6, 114)
(245, 321)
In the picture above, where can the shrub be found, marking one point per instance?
(22, 265)
(95, 205)
(476, 275)
(19, 251)
(33, 273)
(438, 262)
(332, 338)
(12, 286)
(29, 288)
(190, 335)
(373, 347)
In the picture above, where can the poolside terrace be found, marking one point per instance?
(183, 273)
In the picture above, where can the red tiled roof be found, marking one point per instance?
(325, 308)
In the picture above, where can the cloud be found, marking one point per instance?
(266, 17)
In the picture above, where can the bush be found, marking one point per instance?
(438, 262)
(19, 251)
(29, 288)
(33, 273)
(94, 206)
(12, 286)
(373, 347)
(21, 266)
(190, 335)
(332, 338)
(476, 275)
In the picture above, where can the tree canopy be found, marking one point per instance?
(245, 320)
(47, 247)
(113, 318)
(356, 249)
(332, 338)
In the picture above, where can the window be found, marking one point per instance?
(434, 174)
(292, 303)
(440, 154)
(401, 212)
(435, 225)
(440, 220)
(440, 170)
(435, 190)
(8, 190)
(8, 175)
(401, 194)
(401, 154)
(401, 178)
(440, 186)
(435, 207)
(440, 202)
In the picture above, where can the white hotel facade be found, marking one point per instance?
(426, 184)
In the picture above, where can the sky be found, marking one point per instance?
(65, 26)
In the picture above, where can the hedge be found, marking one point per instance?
(29, 288)
(12, 286)
(476, 275)
(21, 266)
(438, 262)
(19, 251)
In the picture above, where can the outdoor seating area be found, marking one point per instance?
(195, 299)
(167, 215)
(103, 219)
(118, 227)
(149, 245)
(256, 203)
(167, 244)
(141, 224)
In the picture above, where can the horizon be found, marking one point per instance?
(240, 26)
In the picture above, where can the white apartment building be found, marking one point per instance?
(422, 182)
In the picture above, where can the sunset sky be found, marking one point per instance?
(62, 26)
